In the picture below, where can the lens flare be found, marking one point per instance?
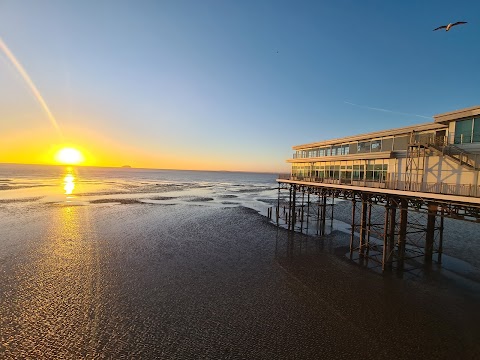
(31, 85)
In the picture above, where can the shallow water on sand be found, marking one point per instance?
(155, 268)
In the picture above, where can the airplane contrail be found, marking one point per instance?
(30, 84)
(385, 110)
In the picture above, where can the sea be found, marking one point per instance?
(66, 185)
(111, 263)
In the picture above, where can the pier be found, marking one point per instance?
(402, 183)
(411, 226)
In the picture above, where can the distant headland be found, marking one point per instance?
(126, 166)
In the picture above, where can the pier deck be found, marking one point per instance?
(391, 238)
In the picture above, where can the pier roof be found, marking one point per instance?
(457, 114)
(391, 132)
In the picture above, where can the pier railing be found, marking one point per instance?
(395, 183)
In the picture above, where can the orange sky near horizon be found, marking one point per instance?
(33, 133)
(40, 144)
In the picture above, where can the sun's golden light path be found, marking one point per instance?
(30, 84)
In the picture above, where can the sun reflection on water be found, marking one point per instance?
(68, 184)
(60, 293)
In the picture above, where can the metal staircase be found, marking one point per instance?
(441, 146)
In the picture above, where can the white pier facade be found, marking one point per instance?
(431, 168)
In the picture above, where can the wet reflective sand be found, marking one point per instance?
(108, 263)
(191, 281)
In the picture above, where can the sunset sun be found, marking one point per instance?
(69, 156)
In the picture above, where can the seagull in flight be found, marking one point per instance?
(449, 26)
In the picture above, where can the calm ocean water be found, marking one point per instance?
(87, 185)
(45, 173)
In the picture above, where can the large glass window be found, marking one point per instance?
(376, 172)
(358, 172)
(363, 146)
(336, 171)
(463, 131)
(376, 145)
(476, 130)
(312, 152)
(319, 172)
(346, 173)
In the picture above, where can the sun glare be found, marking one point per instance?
(69, 156)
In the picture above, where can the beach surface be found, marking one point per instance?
(180, 281)
(144, 269)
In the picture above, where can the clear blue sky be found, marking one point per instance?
(234, 83)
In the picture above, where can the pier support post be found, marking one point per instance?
(402, 233)
(430, 236)
(391, 235)
(369, 226)
(278, 205)
(386, 233)
(363, 225)
(302, 210)
(318, 215)
(294, 212)
(440, 236)
(308, 208)
(289, 214)
(333, 203)
(324, 213)
(352, 234)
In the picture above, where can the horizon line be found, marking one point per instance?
(142, 168)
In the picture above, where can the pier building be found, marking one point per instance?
(431, 168)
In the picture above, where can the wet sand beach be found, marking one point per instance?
(188, 281)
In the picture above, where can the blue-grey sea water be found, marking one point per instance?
(161, 264)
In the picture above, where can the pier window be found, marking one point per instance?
(358, 172)
(346, 173)
(370, 172)
(363, 147)
(476, 130)
(376, 172)
(301, 171)
(336, 172)
(467, 131)
(340, 150)
(463, 131)
(332, 171)
(319, 171)
(376, 145)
